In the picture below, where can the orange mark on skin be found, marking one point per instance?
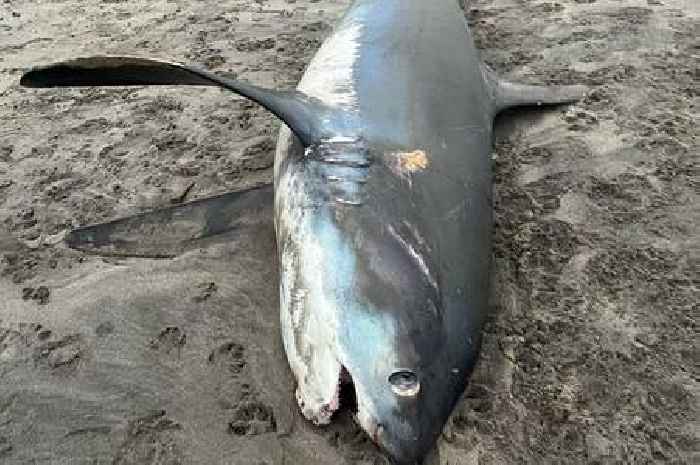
(413, 161)
(406, 164)
(403, 163)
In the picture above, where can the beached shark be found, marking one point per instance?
(382, 209)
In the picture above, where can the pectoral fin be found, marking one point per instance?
(305, 116)
(169, 231)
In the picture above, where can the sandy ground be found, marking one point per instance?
(590, 354)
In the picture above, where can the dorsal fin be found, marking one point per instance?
(305, 116)
(509, 94)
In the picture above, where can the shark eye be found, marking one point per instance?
(404, 383)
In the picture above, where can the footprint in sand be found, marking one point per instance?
(170, 339)
(249, 416)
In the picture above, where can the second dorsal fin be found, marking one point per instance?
(305, 116)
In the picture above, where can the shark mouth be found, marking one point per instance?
(346, 400)
(343, 399)
(347, 396)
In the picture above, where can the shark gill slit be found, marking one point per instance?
(344, 165)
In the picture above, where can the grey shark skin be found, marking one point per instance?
(382, 209)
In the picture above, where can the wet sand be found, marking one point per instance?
(590, 353)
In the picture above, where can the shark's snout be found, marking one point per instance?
(404, 441)
(397, 416)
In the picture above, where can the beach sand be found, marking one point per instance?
(590, 351)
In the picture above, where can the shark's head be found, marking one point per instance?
(383, 332)
(362, 304)
(393, 342)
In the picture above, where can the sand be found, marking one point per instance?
(590, 352)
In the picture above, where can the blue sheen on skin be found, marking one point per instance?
(365, 335)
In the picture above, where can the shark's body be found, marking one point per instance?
(382, 209)
(392, 237)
